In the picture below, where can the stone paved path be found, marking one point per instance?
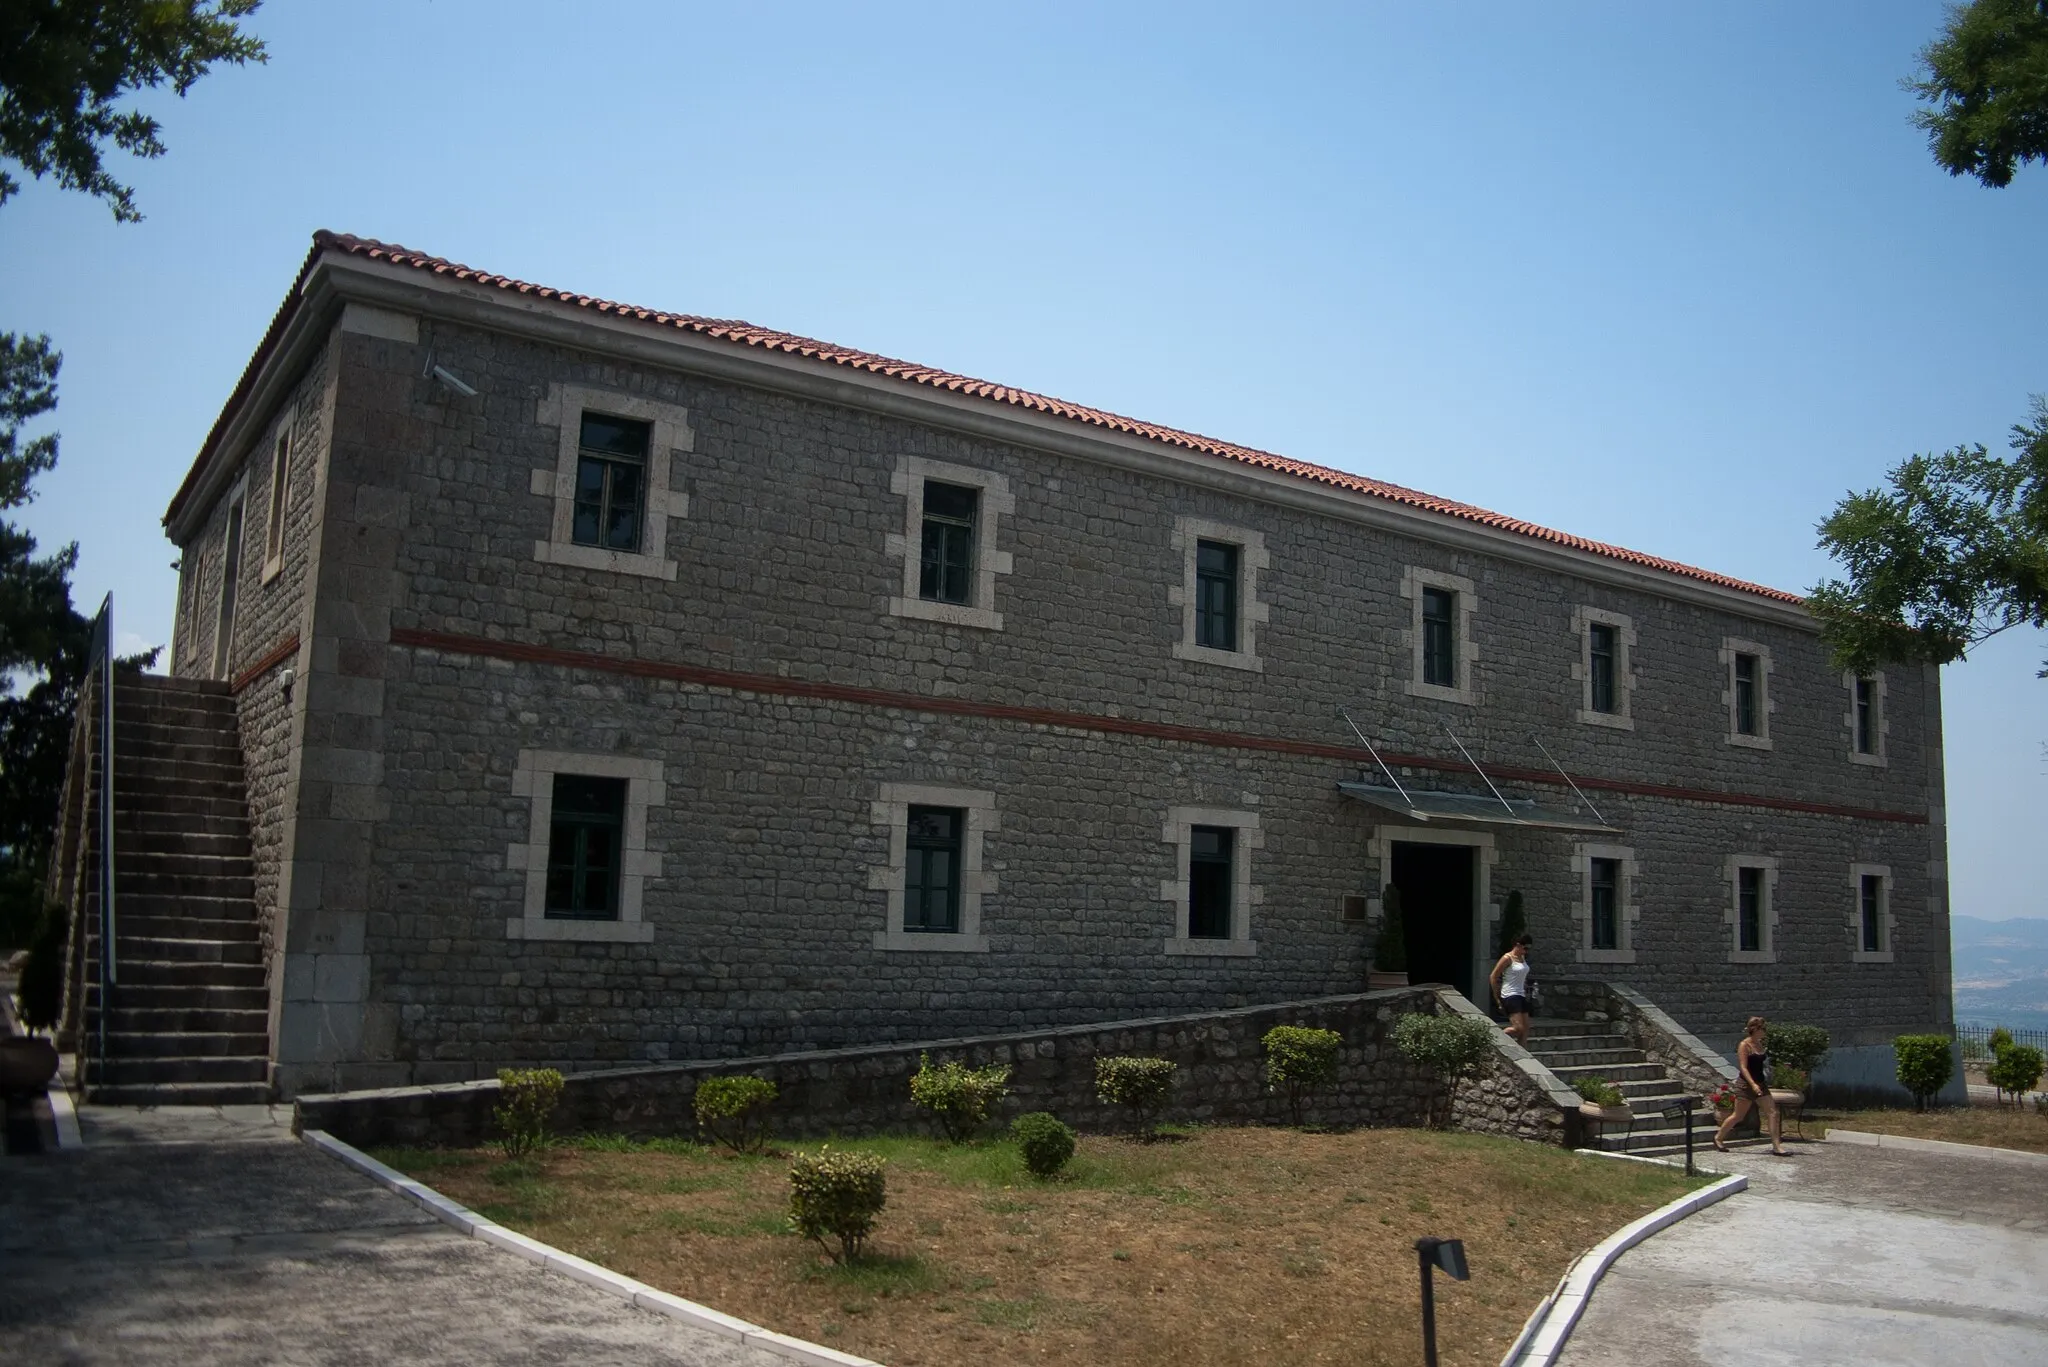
(197, 1235)
(1839, 1255)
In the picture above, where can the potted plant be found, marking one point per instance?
(1390, 950)
(1788, 1089)
(1603, 1102)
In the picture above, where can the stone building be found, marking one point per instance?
(615, 685)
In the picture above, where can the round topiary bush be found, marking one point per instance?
(732, 1110)
(837, 1194)
(2016, 1069)
(1045, 1141)
(1140, 1085)
(1452, 1047)
(959, 1098)
(1300, 1060)
(1926, 1063)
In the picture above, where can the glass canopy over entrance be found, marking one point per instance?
(1483, 809)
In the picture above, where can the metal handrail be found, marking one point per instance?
(99, 668)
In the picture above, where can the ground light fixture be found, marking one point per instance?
(1448, 1254)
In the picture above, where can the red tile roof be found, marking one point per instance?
(766, 339)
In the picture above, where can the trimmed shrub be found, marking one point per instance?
(530, 1096)
(2001, 1038)
(1300, 1059)
(1513, 924)
(1141, 1086)
(1044, 1140)
(41, 988)
(836, 1195)
(2016, 1069)
(959, 1098)
(1599, 1091)
(733, 1111)
(1452, 1047)
(1792, 1080)
(1798, 1047)
(1390, 950)
(1926, 1063)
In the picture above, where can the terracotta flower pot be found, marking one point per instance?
(27, 1063)
(1606, 1115)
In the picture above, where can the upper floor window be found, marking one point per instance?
(1440, 637)
(1752, 915)
(586, 844)
(1866, 718)
(931, 871)
(1748, 693)
(1216, 595)
(1603, 672)
(611, 483)
(1600, 662)
(946, 562)
(1209, 880)
(280, 499)
(1606, 911)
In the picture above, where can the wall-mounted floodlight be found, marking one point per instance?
(446, 377)
(1448, 1254)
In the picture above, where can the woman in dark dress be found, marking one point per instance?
(1752, 1086)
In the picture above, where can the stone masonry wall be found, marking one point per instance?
(865, 1091)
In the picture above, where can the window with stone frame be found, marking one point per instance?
(1211, 895)
(586, 848)
(1747, 693)
(280, 500)
(1604, 891)
(1865, 718)
(931, 872)
(1441, 607)
(946, 551)
(1604, 672)
(1749, 910)
(1440, 637)
(1606, 912)
(1602, 653)
(1752, 916)
(611, 482)
(1870, 913)
(1209, 882)
(1870, 906)
(1216, 595)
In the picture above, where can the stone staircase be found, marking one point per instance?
(1576, 1050)
(189, 1023)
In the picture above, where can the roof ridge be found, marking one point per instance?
(744, 333)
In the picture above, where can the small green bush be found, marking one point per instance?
(1141, 1086)
(1791, 1080)
(1799, 1047)
(1044, 1140)
(529, 1097)
(1300, 1059)
(836, 1194)
(41, 988)
(960, 1098)
(1599, 1091)
(1926, 1063)
(1452, 1047)
(1390, 950)
(2016, 1069)
(733, 1111)
(2001, 1038)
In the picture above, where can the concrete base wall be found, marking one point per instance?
(865, 1091)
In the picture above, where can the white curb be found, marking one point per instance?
(1940, 1146)
(1543, 1337)
(64, 1115)
(569, 1265)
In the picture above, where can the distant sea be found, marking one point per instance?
(2001, 971)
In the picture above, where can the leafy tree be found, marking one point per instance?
(1954, 552)
(1986, 77)
(66, 64)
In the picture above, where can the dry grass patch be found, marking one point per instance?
(1999, 1127)
(1226, 1246)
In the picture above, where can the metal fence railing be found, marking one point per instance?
(1976, 1040)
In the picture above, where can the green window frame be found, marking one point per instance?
(931, 874)
(1216, 595)
(1211, 859)
(1605, 891)
(1602, 643)
(1439, 637)
(1749, 909)
(611, 482)
(1748, 686)
(946, 562)
(586, 848)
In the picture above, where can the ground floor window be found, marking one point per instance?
(931, 878)
(1870, 913)
(933, 885)
(585, 848)
(1209, 852)
(585, 857)
(1752, 913)
(1211, 894)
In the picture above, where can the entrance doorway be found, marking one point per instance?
(1438, 902)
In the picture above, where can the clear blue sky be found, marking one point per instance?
(1675, 277)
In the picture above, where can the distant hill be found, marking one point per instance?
(2001, 971)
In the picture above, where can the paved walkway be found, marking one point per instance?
(199, 1235)
(1839, 1255)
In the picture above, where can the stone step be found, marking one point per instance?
(238, 931)
(1613, 1072)
(188, 863)
(160, 1070)
(206, 734)
(139, 906)
(173, 949)
(187, 973)
(129, 806)
(217, 887)
(157, 996)
(171, 683)
(180, 1094)
(188, 1020)
(169, 790)
(1587, 1058)
(155, 827)
(1611, 1039)
(1658, 1135)
(188, 1044)
(131, 768)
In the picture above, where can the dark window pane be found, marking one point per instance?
(1746, 711)
(1439, 648)
(1873, 913)
(1601, 649)
(1750, 909)
(1606, 897)
(585, 839)
(951, 501)
(1866, 717)
(946, 565)
(1216, 595)
(1209, 882)
(931, 875)
(615, 436)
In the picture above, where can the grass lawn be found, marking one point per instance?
(2001, 1127)
(1216, 1246)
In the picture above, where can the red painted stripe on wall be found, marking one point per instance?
(276, 656)
(523, 653)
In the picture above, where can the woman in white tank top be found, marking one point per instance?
(1510, 980)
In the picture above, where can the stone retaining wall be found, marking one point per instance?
(865, 1091)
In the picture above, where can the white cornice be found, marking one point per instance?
(336, 276)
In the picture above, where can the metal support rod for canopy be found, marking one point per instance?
(1568, 779)
(1482, 773)
(1376, 757)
